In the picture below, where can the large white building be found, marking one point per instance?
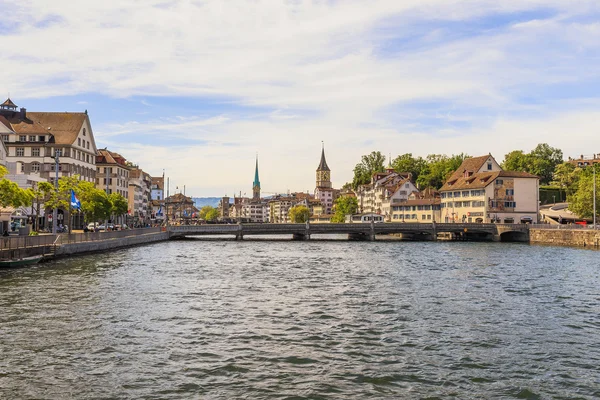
(480, 191)
(32, 139)
(386, 190)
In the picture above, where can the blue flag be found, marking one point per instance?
(159, 212)
(75, 203)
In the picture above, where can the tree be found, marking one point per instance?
(541, 161)
(566, 176)
(212, 214)
(438, 169)
(344, 205)
(204, 211)
(582, 201)
(407, 163)
(369, 164)
(118, 204)
(299, 214)
(11, 195)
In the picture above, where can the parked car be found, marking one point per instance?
(92, 226)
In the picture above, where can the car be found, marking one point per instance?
(92, 226)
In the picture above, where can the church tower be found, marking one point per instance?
(323, 172)
(256, 184)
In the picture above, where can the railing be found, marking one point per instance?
(15, 248)
(97, 236)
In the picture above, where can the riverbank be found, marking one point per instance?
(565, 237)
(114, 243)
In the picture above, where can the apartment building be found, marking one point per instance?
(424, 206)
(138, 196)
(386, 189)
(112, 173)
(32, 140)
(480, 191)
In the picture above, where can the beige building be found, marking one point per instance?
(33, 138)
(112, 174)
(386, 190)
(279, 207)
(480, 191)
(418, 207)
(3, 152)
(138, 196)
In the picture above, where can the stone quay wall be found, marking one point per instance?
(109, 244)
(565, 237)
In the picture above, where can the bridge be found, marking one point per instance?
(363, 231)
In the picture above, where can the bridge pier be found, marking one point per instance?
(239, 236)
(361, 237)
(300, 236)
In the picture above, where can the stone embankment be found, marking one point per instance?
(109, 244)
(565, 237)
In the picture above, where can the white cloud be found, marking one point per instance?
(318, 71)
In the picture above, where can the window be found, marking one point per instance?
(88, 145)
(22, 167)
(510, 192)
(5, 138)
(499, 182)
(407, 185)
(22, 138)
(489, 166)
(78, 141)
(465, 193)
(83, 131)
(35, 152)
(456, 194)
(35, 167)
(510, 204)
(32, 138)
(20, 151)
(41, 138)
(59, 152)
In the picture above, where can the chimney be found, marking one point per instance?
(23, 113)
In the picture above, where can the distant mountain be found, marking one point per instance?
(200, 202)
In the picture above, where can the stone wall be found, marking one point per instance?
(103, 245)
(566, 237)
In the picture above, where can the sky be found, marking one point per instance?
(199, 88)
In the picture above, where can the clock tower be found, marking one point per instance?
(323, 172)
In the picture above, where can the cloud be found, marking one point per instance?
(419, 76)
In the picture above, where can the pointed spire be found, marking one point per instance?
(323, 164)
(256, 180)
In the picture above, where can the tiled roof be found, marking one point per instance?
(63, 126)
(105, 156)
(5, 122)
(8, 102)
(482, 179)
(472, 164)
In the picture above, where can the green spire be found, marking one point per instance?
(256, 180)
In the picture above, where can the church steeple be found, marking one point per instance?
(323, 172)
(256, 183)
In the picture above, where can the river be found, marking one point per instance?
(304, 320)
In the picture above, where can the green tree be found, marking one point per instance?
(369, 164)
(118, 204)
(582, 201)
(541, 161)
(299, 214)
(344, 205)
(408, 163)
(212, 214)
(516, 160)
(438, 169)
(566, 176)
(11, 195)
(204, 211)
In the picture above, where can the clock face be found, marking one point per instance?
(325, 176)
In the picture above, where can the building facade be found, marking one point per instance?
(480, 191)
(112, 173)
(32, 140)
(138, 197)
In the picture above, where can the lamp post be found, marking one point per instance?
(55, 210)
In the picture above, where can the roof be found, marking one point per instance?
(323, 164)
(472, 164)
(256, 182)
(482, 180)
(105, 156)
(5, 122)
(64, 126)
(8, 103)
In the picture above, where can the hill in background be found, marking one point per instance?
(200, 202)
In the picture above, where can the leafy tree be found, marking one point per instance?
(204, 211)
(12, 195)
(582, 201)
(541, 161)
(438, 169)
(369, 164)
(118, 204)
(299, 214)
(408, 163)
(212, 214)
(344, 205)
(566, 176)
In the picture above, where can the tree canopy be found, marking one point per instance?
(369, 164)
(581, 202)
(541, 161)
(299, 214)
(11, 195)
(344, 205)
(438, 168)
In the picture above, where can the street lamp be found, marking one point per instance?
(55, 210)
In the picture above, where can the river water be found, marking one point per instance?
(304, 320)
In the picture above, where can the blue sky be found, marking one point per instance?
(199, 87)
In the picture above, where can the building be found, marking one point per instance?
(157, 188)
(180, 208)
(480, 191)
(324, 191)
(138, 197)
(386, 189)
(279, 207)
(112, 173)
(418, 207)
(32, 139)
(584, 161)
(3, 150)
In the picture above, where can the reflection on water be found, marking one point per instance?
(335, 320)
